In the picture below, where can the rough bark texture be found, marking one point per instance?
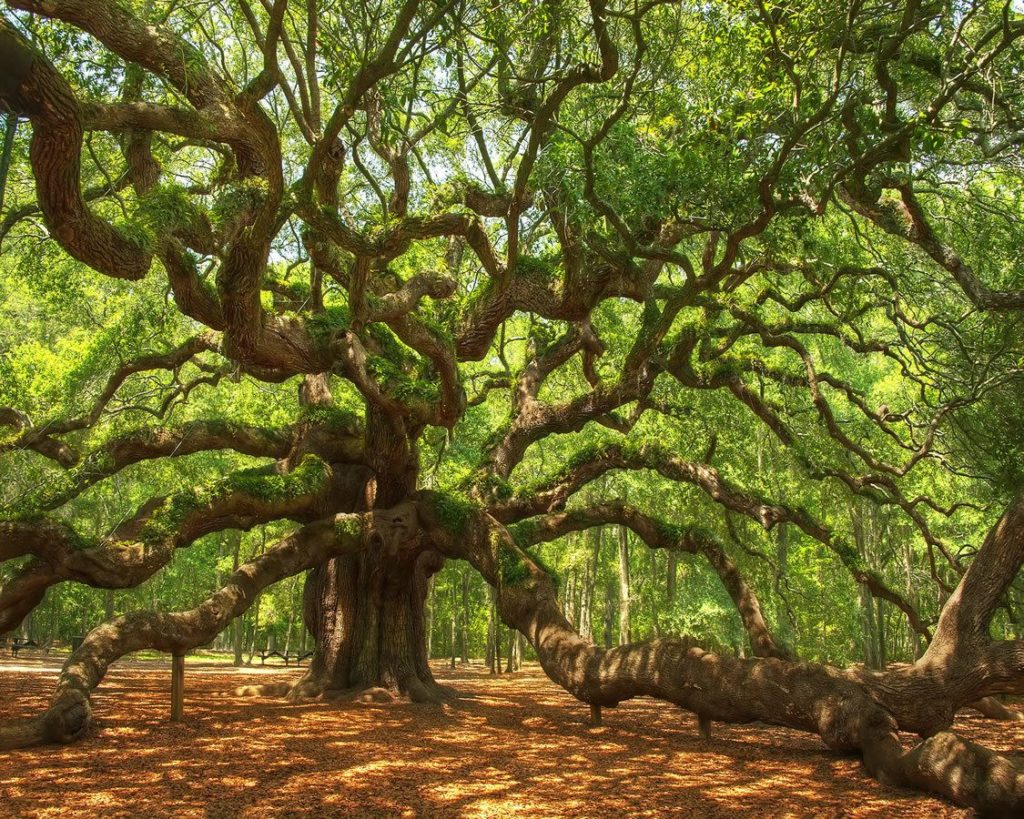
(366, 614)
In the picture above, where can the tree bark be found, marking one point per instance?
(609, 613)
(492, 627)
(429, 627)
(452, 626)
(366, 615)
(671, 577)
(10, 128)
(589, 593)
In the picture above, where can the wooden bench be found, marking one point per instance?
(298, 656)
(22, 645)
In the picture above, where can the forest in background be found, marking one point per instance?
(681, 339)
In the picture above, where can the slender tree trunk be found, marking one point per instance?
(288, 634)
(431, 583)
(515, 651)
(255, 624)
(590, 584)
(454, 609)
(656, 602)
(869, 628)
(881, 652)
(609, 613)
(569, 600)
(784, 625)
(625, 632)
(464, 618)
(671, 576)
(911, 594)
(238, 622)
(10, 128)
(492, 626)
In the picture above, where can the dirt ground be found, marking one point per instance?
(513, 745)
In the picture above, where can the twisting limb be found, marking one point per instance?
(144, 544)
(659, 534)
(43, 439)
(599, 460)
(908, 220)
(332, 444)
(851, 711)
(69, 715)
(35, 88)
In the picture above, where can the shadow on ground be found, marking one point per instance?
(517, 745)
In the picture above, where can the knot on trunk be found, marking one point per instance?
(395, 530)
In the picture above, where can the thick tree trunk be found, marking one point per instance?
(366, 614)
(366, 611)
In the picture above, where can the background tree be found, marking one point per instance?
(397, 283)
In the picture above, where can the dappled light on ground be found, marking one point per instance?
(512, 745)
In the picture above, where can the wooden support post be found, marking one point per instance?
(705, 726)
(595, 714)
(177, 687)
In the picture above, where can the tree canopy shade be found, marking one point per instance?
(408, 282)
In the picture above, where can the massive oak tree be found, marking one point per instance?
(632, 235)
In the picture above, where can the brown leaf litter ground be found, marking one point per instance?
(514, 745)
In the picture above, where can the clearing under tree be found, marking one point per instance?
(454, 234)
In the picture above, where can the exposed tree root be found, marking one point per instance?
(304, 690)
(264, 690)
(410, 687)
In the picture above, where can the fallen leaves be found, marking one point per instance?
(515, 745)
